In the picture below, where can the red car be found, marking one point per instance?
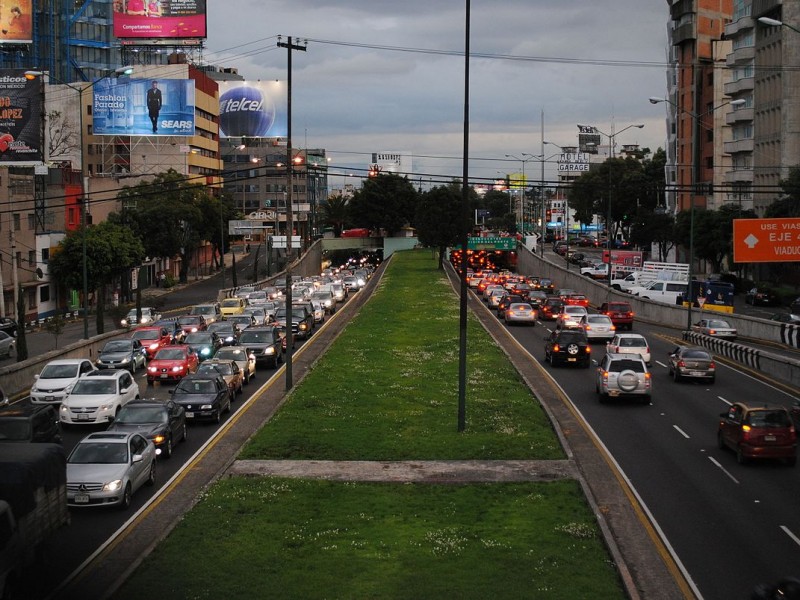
(576, 300)
(758, 431)
(621, 314)
(192, 323)
(172, 364)
(153, 339)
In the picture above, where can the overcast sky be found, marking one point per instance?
(384, 75)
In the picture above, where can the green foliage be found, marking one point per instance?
(713, 233)
(439, 220)
(387, 201)
(334, 212)
(55, 326)
(498, 203)
(789, 205)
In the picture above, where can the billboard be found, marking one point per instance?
(142, 19)
(766, 240)
(143, 107)
(20, 118)
(16, 23)
(252, 109)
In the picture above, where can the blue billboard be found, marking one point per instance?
(252, 109)
(143, 107)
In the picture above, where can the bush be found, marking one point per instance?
(169, 281)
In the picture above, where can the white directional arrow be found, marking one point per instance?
(751, 241)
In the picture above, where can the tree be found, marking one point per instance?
(387, 201)
(62, 135)
(789, 204)
(167, 214)
(438, 220)
(657, 228)
(713, 233)
(334, 213)
(111, 250)
(215, 214)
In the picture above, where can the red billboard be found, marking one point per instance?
(159, 19)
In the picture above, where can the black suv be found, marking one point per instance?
(27, 422)
(265, 343)
(568, 346)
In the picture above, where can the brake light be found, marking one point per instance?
(712, 366)
(605, 375)
(588, 349)
(613, 328)
(712, 331)
(647, 349)
(630, 314)
(681, 364)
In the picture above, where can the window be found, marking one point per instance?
(16, 222)
(44, 294)
(31, 221)
(31, 258)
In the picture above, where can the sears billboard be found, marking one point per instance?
(20, 118)
(173, 19)
(252, 108)
(143, 107)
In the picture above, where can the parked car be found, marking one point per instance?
(621, 375)
(97, 397)
(620, 313)
(149, 315)
(568, 346)
(717, 328)
(172, 364)
(520, 312)
(106, 468)
(230, 371)
(203, 397)
(763, 296)
(27, 422)
(630, 343)
(692, 363)
(153, 338)
(50, 386)
(122, 354)
(162, 422)
(245, 360)
(8, 344)
(598, 327)
(265, 344)
(9, 326)
(758, 431)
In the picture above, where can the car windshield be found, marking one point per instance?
(117, 346)
(16, 430)
(59, 372)
(195, 386)
(241, 320)
(619, 307)
(171, 354)
(250, 336)
(214, 368)
(618, 366)
(719, 324)
(147, 334)
(231, 354)
(521, 306)
(198, 338)
(231, 302)
(768, 418)
(203, 310)
(257, 296)
(135, 415)
(188, 320)
(91, 387)
(91, 453)
(598, 319)
(632, 342)
(698, 354)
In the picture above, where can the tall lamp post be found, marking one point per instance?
(522, 160)
(84, 199)
(696, 118)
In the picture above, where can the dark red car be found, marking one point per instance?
(620, 313)
(192, 323)
(550, 309)
(153, 339)
(758, 431)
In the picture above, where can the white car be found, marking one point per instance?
(245, 360)
(630, 343)
(319, 311)
(570, 316)
(7, 344)
(598, 327)
(50, 386)
(257, 298)
(149, 316)
(97, 397)
(106, 468)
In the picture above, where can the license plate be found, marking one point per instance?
(49, 398)
(82, 417)
(81, 498)
(163, 376)
(769, 438)
(696, 373)
(190, 415)
(572, 360)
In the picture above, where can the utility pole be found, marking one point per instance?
(289, 227)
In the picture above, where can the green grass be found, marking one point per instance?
(388, 387)
(387, 390)
(282, 538)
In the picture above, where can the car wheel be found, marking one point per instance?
(720, 441)
(676, 376)
(151, 477)
(228, 407)
(126, 498)
(218, 416)
(133, 367)
(184, 432)
(740, 457)
(168, 447)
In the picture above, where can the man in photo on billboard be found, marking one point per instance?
(154, 104)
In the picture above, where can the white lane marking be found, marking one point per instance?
(786, 530)
(681, 431)
(660, 364)
(728, 402)
(724, 470)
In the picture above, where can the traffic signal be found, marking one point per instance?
(374, 171)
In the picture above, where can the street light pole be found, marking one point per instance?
(693, 184)
(84, 175)
(522, 160)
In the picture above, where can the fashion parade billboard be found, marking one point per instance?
(143, 107)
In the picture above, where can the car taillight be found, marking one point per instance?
(712, 366)
(647, 349)
(712, 331)
(746, 432)
(613, 328)
(605, 375)
(588, 349)
(681, 364)
(630, 314)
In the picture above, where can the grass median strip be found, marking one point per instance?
(387, 390)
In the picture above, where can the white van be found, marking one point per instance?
(667, 292)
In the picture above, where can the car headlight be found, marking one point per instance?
(153, 346)
(205, 351)
(106, 406)
(194, 329)
(125, 360)
(269, 350)
(302, 326)
(206, 406)
(124, 322)
(64, 408)
(152, 369)
(229, 338)
(159, 439)
(113, 486)
(177, 369)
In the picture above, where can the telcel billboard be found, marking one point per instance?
(143, 107)
(252, 109)
(175, 19)
(20, 118)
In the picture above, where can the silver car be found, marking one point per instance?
(717, 328)
(245, 360)
(620, 375)
(7, 344)
(598, 327)
(520, 312)
(106, 468)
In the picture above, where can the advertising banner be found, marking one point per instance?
(16, 22)
(143, 107)
(252, 109)
(177, 19)
(20, 118)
